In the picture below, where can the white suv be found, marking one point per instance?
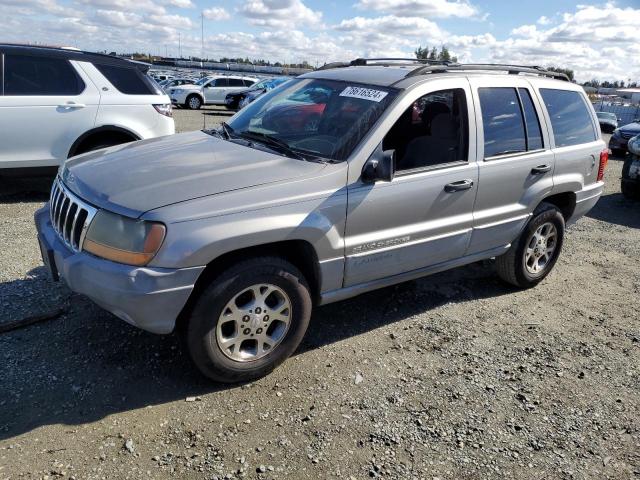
(209, 91)
(56, 103)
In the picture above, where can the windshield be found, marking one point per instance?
(202, 81)
(318, 118)
(606, 115)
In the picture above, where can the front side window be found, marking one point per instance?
(129, 80)
(315, 118)
(433, 131)
(220, 82)
(570, 117)
(31, 75)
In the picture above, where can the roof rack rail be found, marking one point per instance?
(511, 69)
(363, 62)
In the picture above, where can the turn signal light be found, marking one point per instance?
(604, 158)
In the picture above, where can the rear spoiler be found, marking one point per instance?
(142, 66)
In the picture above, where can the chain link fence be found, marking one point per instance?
(625, 113)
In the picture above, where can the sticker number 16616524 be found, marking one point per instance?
(364, 93)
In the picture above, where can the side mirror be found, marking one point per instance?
(380, 166)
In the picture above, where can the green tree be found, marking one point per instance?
(568, 72)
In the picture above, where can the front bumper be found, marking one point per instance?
(618, 143)
(148, 298)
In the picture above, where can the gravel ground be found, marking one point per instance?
(455, 376)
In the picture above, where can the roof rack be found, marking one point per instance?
(442, 66)
(496, 67)
(383, 62)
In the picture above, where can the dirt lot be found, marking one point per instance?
(455, 376)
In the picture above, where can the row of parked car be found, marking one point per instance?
(78, 102)
(233, 92)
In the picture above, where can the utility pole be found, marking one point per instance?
(179, 46)
(202, 36)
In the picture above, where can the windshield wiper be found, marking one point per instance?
(272, 142)
(227, 130)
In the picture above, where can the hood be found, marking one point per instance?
(137, 177)
(186, 86)
(630, 128)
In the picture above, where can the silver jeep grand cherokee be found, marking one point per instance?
(347, 179)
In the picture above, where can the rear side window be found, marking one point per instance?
(510, 120)
(31, 75)
(236, 82)
(534, 133)
(570, 118)
(129, 81)
(503, 123)
(248, 83)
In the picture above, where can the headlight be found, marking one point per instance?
(178, 90)
(634, 145)
(122, 239)
(616, 132)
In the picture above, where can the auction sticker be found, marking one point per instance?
(364, 93)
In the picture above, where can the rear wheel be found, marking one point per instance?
(534, 253)
(249, 320)
(193, 102)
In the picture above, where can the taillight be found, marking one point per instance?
(604, 158)
(164, 109)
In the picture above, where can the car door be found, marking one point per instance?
(424, 216)
(216, 90)
(235, 85)
(48, 103)
(515, 159)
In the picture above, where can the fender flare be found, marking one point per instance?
(97, 130)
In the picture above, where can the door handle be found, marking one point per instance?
(458, 186)
(540, 169)
(72, 105)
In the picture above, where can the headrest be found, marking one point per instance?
(443, 126)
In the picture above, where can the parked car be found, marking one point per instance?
(166, 85)
(621, 136)
(230, 236)
(209, 91)
(630, 182)
(58, 103)
(608, 121)
(242, 98)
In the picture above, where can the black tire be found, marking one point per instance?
(511, 266)
(616, 152)
(193, 102)
(200, 331)
(90, 147)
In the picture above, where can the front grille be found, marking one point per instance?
(70, 216)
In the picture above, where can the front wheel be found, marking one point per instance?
(534, 253)
(193, 102)
(249, 320)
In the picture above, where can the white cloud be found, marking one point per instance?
(180, 3)
(216, 13)
(177, 21)
(430, 8)
(118, 18)
(280, 13)
(543, 21)
(148, 6)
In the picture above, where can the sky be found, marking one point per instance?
(596, 40)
